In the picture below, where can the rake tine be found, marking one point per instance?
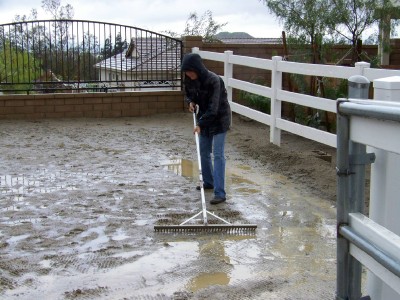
(210, 228)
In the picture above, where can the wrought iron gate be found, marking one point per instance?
(50, 56)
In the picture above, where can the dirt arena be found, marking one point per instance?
(79, 199)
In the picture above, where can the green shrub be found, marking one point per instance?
(257, 102)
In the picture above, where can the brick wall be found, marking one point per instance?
(91, 105)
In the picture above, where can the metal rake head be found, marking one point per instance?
(209, 228)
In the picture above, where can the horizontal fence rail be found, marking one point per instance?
(277, 95)
(74, 55)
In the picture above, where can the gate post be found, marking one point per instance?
(342, 172)
(350, 193)
(385, 188)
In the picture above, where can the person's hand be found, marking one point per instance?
(196, 129)
(192, 106)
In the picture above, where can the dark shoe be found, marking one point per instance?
(217, 200)
(206, 187)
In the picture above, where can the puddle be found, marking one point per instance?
(41, 182)
(93, 244)
(182, 167)
(120, 235)
(205, 280)
(148, 276)
(292, 226)
(18, 238)
(18, 187)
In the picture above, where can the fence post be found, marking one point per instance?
(360, 66)
(228, 74)
(276, 105)
(385, 188)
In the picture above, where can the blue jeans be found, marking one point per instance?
(213, 176)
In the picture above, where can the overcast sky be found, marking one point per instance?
(249, 16)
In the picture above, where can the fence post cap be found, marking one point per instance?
(358, 79)
(388, 83)
(362, 63)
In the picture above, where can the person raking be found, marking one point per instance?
(207, 90)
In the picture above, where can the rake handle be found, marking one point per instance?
(203, 201)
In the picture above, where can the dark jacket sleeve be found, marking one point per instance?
(191, 91)
(188, 96)
(213, 104)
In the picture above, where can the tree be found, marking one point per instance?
(120, 45)
(302, 18)
(58, 11)
(53, 7)
(110, 50)
(389, 16)
(339, 19)
(349, 20)
(204, 26)
(16, 67)
(306, 22)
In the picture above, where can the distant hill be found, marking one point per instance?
(232, 35)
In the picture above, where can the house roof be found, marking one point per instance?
(145, 55)
(251, 40)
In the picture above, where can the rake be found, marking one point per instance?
(205, 227)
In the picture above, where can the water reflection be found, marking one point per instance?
(299, 229)
(41, 182)
(181, 167)
(204, 280)
(214, 251)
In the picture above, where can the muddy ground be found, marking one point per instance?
(79, 199)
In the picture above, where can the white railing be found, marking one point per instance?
(277, 95)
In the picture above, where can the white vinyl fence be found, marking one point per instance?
(363, 125)
(277, 66)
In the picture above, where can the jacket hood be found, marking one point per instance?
(193, 62)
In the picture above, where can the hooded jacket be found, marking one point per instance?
(209, 93)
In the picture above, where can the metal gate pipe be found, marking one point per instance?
(391, 113)
(356, 204)
(384, 259)
(342, 171)
(350, 192)
(358, 88)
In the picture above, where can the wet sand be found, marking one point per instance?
(79, 199)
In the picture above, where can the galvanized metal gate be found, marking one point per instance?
(360, 240)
